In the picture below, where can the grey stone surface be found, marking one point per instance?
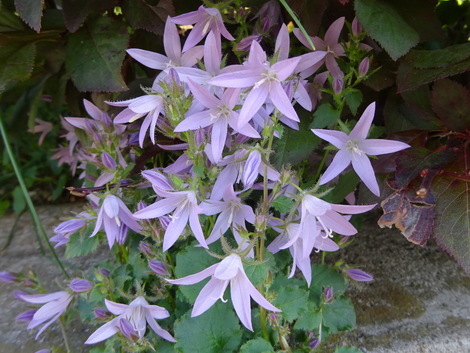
(418, 303)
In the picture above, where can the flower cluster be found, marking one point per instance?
(216, 186)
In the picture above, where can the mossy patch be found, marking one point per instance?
(386, 303)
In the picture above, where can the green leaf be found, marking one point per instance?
(324, 116)
(215, 331)
(257, 273)
(189, 262)
(323, 277)
(295, 145)
(142, 15)
(76, 11)
(291, 300)
(95, 54)
(385, 24)
(30, 11)
(339, 315)
(451, 102)
(283, 204)
(17, 60)
(346, 349)
(347, 183)
(81, 244)
(310, 319)
(258, 345)
(10, 22)
(19, 202)
(353, 100)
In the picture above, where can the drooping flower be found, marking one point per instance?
(138, 313)
(55, 305)
(184, 206)
(229, 270)
(113, 216)
(205, 20)
(42, 127)
(354, 148)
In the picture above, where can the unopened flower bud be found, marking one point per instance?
(337, 85)
(364, 67)
(8, 277)
(356, 27)
(101, 313)
(328, 294)
(108, 161)
(199, 137)
(359, 275)
(245, 43)
(158, 267)
(43, 351)
(127, 330)
(146, 249)
(26, 316)
(80, 285)
(314, 343)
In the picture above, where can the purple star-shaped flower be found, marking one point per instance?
(354, 148)
(229, 270)
(183, 204)
(265, 80)
(205, 20)
(219, 115)
(138, 314)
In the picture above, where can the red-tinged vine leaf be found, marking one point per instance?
(30, 11)
(452, 224)
(17, 61)
(140, 14)
(409, 77)
(415, 161)
(386, 25)
(451, 102)
(95, 54)
(76, 11)
(411, 210)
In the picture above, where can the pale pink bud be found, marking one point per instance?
(26, 316)
(127, 330)
(8, 277)
(359, 275)
(364, 67)
(146, 249)
(101, 313)
(108, 161)
(337, 85)
(158, 267)
(80, 285)
(328, 294)
(356, 27)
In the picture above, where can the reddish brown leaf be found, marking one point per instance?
(451, 102)
(411, 211)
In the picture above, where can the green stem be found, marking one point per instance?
(297, 22)
(29, 202)
(64, 335)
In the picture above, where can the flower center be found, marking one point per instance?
(352, 146)
(269, 76)
(221, 112)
